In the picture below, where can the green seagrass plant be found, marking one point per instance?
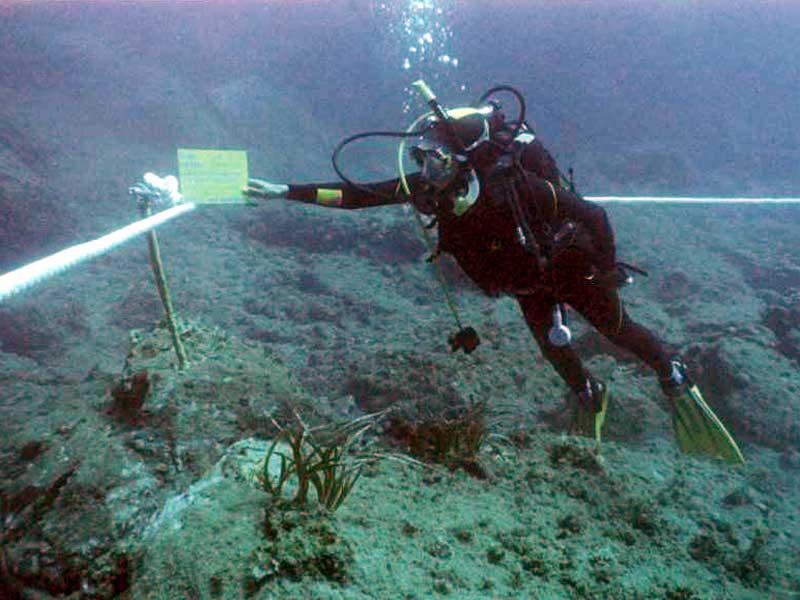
(324, 458)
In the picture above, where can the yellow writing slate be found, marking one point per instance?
(213, 176)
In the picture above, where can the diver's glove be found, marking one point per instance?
(264, 190)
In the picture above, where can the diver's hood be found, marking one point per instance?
(469, 125)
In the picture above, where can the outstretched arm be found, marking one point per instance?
(336, 195)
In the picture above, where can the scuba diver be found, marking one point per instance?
(517, 227)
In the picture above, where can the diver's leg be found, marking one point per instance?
(591, 395)
(698, 430)
(603, 308)
(538, 310)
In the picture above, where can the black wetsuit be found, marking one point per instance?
(575, 244)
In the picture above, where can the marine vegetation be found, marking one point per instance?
(323, 457)
(453, 438)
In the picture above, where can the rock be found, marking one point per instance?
(764, 408)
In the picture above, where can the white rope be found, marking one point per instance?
(24, 277)
(689, 200)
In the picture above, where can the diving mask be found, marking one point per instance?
(437, 165)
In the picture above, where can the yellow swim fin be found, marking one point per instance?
(588, 418)
(699, 431)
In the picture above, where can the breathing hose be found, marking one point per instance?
(425, 233)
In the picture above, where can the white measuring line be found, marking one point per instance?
(19, 279)
(22, 278)
(688, 200)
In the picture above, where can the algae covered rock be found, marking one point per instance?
(88, 462)
(186, 418)
(765, 408)
(224, 535)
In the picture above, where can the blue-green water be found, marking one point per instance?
(124, 477)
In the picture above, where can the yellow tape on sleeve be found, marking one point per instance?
(328, 197)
